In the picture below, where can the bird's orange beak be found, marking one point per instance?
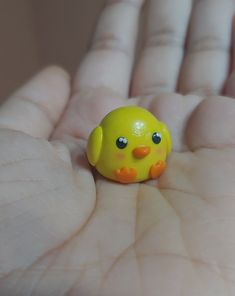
(141, 152)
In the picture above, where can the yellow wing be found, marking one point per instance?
(94, 145)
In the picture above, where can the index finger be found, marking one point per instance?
(110, 59)
(103, 79)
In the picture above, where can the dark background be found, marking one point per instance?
(36, 33)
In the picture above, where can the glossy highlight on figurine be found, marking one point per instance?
(130, 145)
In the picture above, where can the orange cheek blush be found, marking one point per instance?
(120, 156)
(159, 151)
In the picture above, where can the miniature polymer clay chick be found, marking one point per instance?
(130, 145)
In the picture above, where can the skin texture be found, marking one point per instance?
(64, 230)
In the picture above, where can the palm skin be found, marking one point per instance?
(65, 232)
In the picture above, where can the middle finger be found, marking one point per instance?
(160, 62)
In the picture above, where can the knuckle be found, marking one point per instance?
(110, 42)
(207, 43)
(164, 37)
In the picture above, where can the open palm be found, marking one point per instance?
(64, 230)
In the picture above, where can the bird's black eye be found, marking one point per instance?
(121, 142)
(156, 137)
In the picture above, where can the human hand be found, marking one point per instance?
(63, 232)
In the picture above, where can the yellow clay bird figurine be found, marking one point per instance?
(130, 145)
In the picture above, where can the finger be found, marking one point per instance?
(36, 107)
(103, 79)
(206, 62)
(110, 59)
(212, 124)
(159, 65)
(174, 110)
